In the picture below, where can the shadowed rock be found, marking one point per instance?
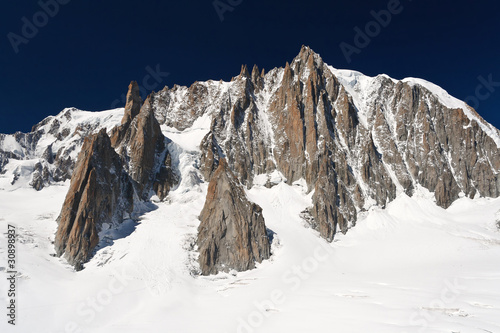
(142, 146)
(211, 156)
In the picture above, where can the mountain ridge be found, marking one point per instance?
(357, 141)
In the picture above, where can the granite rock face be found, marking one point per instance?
(111, 175)
(133, 103)
(100, 192)
(232, 233)
(142, 147)
(357, 141)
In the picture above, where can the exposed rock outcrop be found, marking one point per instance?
(132, 108)
(212, 153)
(133, 103)
(232, 233)
(41, 177)
(141, 146)
(111, 174)
(357, 141)
(143, 149)
(99, 193)
(166, 178)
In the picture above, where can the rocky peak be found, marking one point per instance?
(258, 78)
(357, 141)
(244, 71)
(111, 174)
(141, 145)
(145, 142)
(255, 72)
(96, 196)
(288, 74)
(244, 74)
(307, 58)
(232, 233)
(133, 104)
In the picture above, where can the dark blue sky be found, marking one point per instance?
(86, 54)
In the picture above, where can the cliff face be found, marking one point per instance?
(232, 233)
(142, 147)
(99, 193)
(111, 174)
(357, 141)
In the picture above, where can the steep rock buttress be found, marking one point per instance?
(232, 233)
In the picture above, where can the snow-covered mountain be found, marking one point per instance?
(302, 146)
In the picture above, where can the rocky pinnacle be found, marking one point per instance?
(232, 233)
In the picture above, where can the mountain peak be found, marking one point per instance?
(134, 102)
(306, 52)
(244, 71)
(356, 141)
(306, 49)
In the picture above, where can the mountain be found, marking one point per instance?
(356, 142)
(293, 200)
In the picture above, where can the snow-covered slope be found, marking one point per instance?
(413, 267)
(53, 145)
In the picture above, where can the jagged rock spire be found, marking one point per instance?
(244, 71)
(94, 198)
(133, 104)
(255, 72)
(232, 233)
(257, 77)
(105, 183)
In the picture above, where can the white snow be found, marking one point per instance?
(197, 132)
(77, 123)
(357, 86)
(413, 267)
(10, 144)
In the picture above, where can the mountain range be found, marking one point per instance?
(304, 198)
(353, 141)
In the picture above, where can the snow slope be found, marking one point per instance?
(413, 267)
(64, 134)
